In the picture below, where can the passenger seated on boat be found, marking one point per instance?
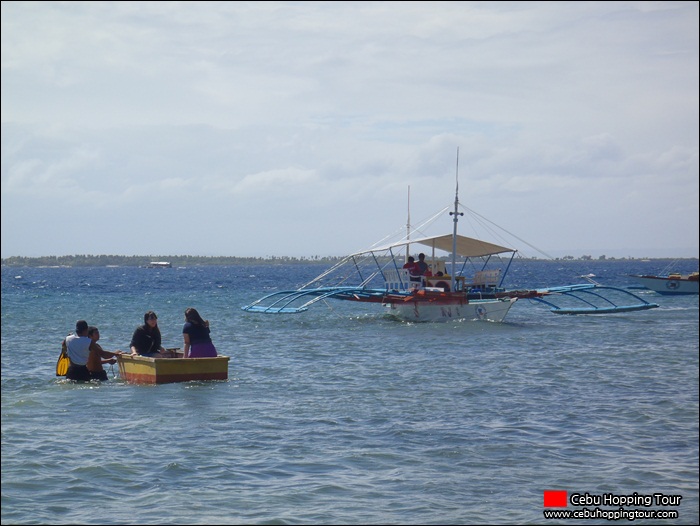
(423, 267)
(146, 340)
(196, 335)
(412, 268)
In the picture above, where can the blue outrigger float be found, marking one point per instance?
(589, 298)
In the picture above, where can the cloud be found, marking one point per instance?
(301, 125)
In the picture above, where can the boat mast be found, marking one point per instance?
(408, 226)
(456, 213)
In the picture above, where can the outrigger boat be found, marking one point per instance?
(468, 290)
(443, 297)
(671, 284)
(438, 298)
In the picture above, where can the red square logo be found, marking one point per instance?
(555, 499)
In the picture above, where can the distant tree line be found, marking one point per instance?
(85, 260)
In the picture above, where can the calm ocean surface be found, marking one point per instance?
(343, 415)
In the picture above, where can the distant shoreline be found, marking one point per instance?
(192, 261)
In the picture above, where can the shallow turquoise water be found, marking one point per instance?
(342, 414)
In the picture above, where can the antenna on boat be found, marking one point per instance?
(408, 225)
(456, 213)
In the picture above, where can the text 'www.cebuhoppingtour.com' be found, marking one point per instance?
(619, 507)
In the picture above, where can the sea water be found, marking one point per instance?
(342, 414)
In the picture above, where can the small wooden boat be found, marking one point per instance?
(144, 370)
(670, 284)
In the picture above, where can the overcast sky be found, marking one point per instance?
(296, 128)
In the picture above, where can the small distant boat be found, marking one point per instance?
(672, 284)
(159, 264)
(144, 370)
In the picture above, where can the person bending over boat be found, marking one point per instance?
(196, 335)
(98, 356)
(146, 340)
(78, 350)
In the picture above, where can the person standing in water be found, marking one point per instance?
(98, 356)
(78, 350)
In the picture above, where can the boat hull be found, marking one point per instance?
(668, 285)
(437, 310)
(145, 370)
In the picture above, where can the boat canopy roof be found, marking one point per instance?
(466, 246)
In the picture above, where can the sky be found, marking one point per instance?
(301, 129)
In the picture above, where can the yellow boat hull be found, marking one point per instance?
(145, 370)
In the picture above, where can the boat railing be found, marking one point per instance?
(398, 279)
(486, 278)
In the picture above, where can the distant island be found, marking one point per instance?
(193, 261)
(155, 261)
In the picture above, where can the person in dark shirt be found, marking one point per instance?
(146, 339)
(423, 267)
(195, 332)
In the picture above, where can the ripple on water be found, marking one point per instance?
(342, 418)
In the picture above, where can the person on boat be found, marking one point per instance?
(423, 267)
(98, 356)
(146, 340)
(78, 350)
(195, 332)
(412, 267)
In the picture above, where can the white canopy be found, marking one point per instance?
(466, 246)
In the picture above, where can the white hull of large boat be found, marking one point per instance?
(494, 310)
(664, 285)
